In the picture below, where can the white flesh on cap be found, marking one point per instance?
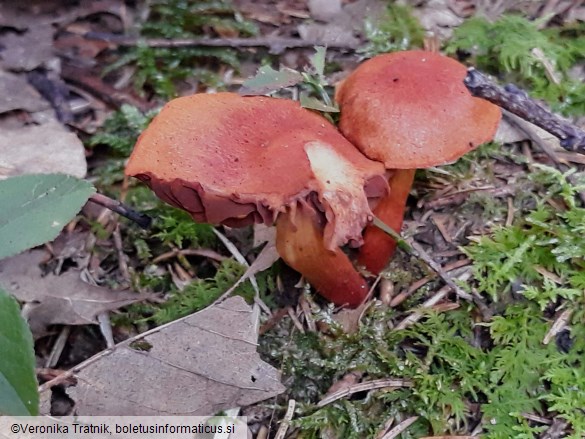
(342, 195)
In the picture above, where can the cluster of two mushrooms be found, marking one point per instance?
(233, 160)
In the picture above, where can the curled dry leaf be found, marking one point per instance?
(195, 366)
(63, 299)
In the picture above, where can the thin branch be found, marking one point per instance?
(276, 45)
(537, 139)
(518, 102)
(383, 383)
(559, 324)
(141, 219)
(203, 252)
(403, 295)
(429, 303)
(417, 251)
(396, 431)
(122, 261)
(290, 411)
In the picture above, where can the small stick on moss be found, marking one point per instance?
(122, 262)
(290, 411)
(403, 295)
(518, 102)
(530, 131)
(141, 219)
(429, 303)
(203, 252)
(417, 251)
(396, 431)
(560, 323)
(275, 45)
(383, 383)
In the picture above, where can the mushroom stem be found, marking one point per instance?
(300, 243)
(378, 247)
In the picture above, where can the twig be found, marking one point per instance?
(122, 262)
(106, 329)
(295, 320)
(290, 411)
(242, 260)
(387, 426)
(307, 312)
(436, 298)
(536, 135)
(403, 295)
(556, 430)
(536, 418)
(530, 131)
(416, 315)
(58, 347)
(276, 45)
(400, 428)
(417, 251)
(97, 87)
(518, 102)
(53, 89)
(384, 383)
(559, 324)
(511, 211)
(141, 219)
(203, 252)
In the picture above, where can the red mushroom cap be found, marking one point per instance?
(234, 160)
(411, 110)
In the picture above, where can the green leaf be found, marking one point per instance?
(36, 207)
(267, 80)
(318, 60)
(315, 104)
(18, 383)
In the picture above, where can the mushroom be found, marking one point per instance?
(409, 110)
(234, 160)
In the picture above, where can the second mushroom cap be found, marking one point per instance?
(411, 110)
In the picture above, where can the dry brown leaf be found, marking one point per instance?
(361, 10)
(349, 319)
(45, 148)
(324, 10)
(27, 50)
(17, 94)
(342, 25)
(51, 299)
(437, 18)
(196, 366)
(262, 234)
(12, 17)
(508, 133)
(21, 16)
(328, 34)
